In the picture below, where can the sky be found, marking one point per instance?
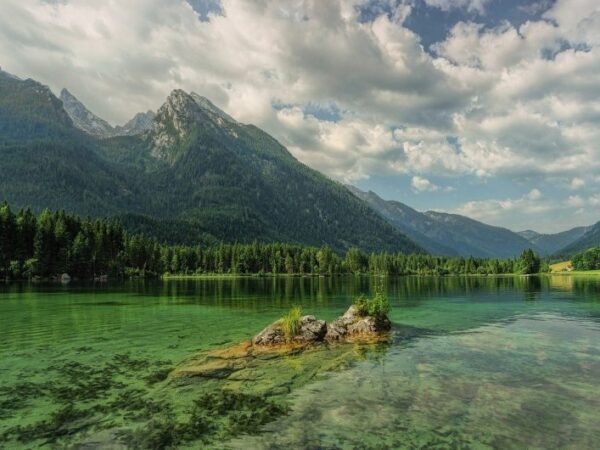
(487, 108)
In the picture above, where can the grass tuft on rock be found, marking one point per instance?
(290, 323)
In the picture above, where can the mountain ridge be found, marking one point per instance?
(591, 238)
(195, 167)
(95, 126)
(451, 233)
(550, 244)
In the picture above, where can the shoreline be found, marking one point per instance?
(227, 276)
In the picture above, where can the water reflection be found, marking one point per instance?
(472, 360)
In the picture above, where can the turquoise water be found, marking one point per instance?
(471, 363)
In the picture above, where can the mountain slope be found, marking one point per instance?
(93, 125)
(448, 234)
(47, 162)
(471, 237)
(237, 182)
(29, 110)
(552, 243)
(591, 238)
(195, 171)
(83, 118)
(406, 219)
(140, 123)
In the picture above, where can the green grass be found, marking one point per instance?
(290, 323)
(578, 272)
(562, 266)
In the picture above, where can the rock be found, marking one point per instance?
(271, 335)
(311, 330)
(65, 278)
(351, 324)
(350, 314)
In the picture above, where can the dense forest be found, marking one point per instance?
(56, 243)
(587, 260)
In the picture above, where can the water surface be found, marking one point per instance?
(472, 363)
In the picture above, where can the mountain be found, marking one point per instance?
(93, 125)
(552, 243)
(448, 234)
(48, 162)
(194, 172)
(591, 238)
(406, 219)
(29, 110)
(140, 123)
(529, 234)
(83, 118)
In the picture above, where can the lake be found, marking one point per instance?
(475, 362)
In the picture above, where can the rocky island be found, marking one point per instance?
(310, 330)
(294, 334)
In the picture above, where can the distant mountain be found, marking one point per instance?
(408, 220)
(93, 125)
(448, 234)
(552, 243)
(48, 162)
(529, 234)
(194, 172)
(140, 123)
(83, 118)
(30, 110)
(591, 238)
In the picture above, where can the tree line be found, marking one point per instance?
(587, 260)
(55, 243)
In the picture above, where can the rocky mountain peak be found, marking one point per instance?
(83, 118)
(139, 124)
(179, 115)
(211, 109)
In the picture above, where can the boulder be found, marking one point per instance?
(65, 278)
(351, 324)
(309, 330)
(272, 335)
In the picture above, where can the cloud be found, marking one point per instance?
(474, 6)
(577, 183)
(532, 209)
(421, 184)
(344, 84)
(498, 211)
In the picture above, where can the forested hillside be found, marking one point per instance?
(196, 174)
(590, 239)
(448, 234)
(548, 244)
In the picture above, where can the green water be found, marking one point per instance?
(472, 363)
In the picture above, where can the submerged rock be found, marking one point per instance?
(310, 330)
